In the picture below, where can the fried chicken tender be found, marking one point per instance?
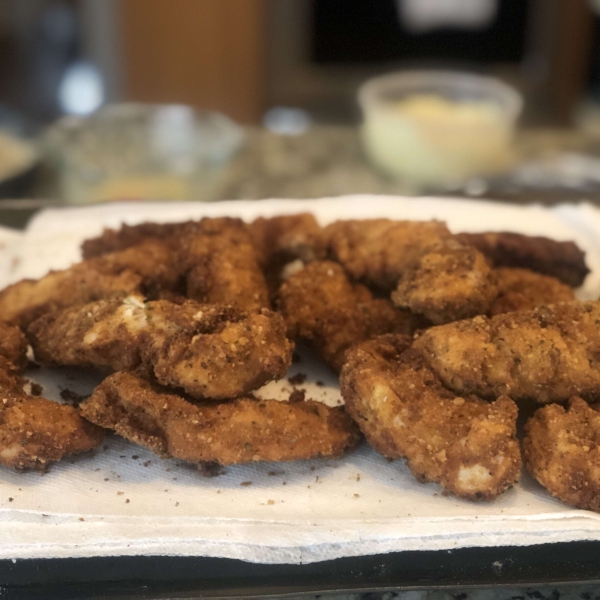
(285, 238)
(147, 268)
(563, 260)
(548, 354)
(450, 281)
(521, 289)
(153, 260)
(561, 450)
(210, 351)
(223, 267)
(321, 305)
(24, 301)
(13, 344)
(35, 432)
(378, 251)
(216, 256)
(114, 240)
(466, 445)
(245, 430)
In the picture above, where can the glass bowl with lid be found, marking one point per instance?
(439, 128)
(141, 151)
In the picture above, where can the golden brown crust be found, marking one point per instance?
(288, 237)
(378, 251)
(242, 431)
(26, 300)
(13, 344)
(561, 450)
(210, 351)
(448, 282)
(521, 289)
(467, 445)
(548, 354)
(114, 240)
(153, 260)
(321, 305)
(223, 267)
(284, 239)
(563, 260)
(216, 257)
(35, 432)
(150, 268)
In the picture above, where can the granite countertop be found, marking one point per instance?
(329, 161)
(574, 592)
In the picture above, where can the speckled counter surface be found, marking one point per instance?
(329, 161)
(325, 161)
(538, 593)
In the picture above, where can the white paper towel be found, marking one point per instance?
(123, 500)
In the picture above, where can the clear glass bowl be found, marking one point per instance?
(141, 151)
(438, 128)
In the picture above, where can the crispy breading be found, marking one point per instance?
(449, 281)
(242, 431)
(210, 351)
(378, 251)
(216, 256)
(283, 240)
(113, 240)
(153, 260)
(521, 289)
(149, 268)
(13, 344)
(223, 268)
(561, 450)
(563, 260)
(26, 300)
(467, 445)
(288, 237)
(321, 305)
(35, 432)
(548, 354)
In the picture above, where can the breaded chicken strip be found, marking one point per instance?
(521, 289)
(321, 305)
(216, 256)
(126, 236)
(449, 281)
(223, 267)
(548, 354)
(113, 240)
(153, 260)
(147, 268)
(24, 301)
(466, 445)
(35, 432)
(288, 237)
(378, 251)
(13, 344)
(210, 351)
(561, 450)
(242, 431)
(563, 260)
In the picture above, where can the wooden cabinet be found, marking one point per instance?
(208, 53)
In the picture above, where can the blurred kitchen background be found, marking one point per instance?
(283, 76)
